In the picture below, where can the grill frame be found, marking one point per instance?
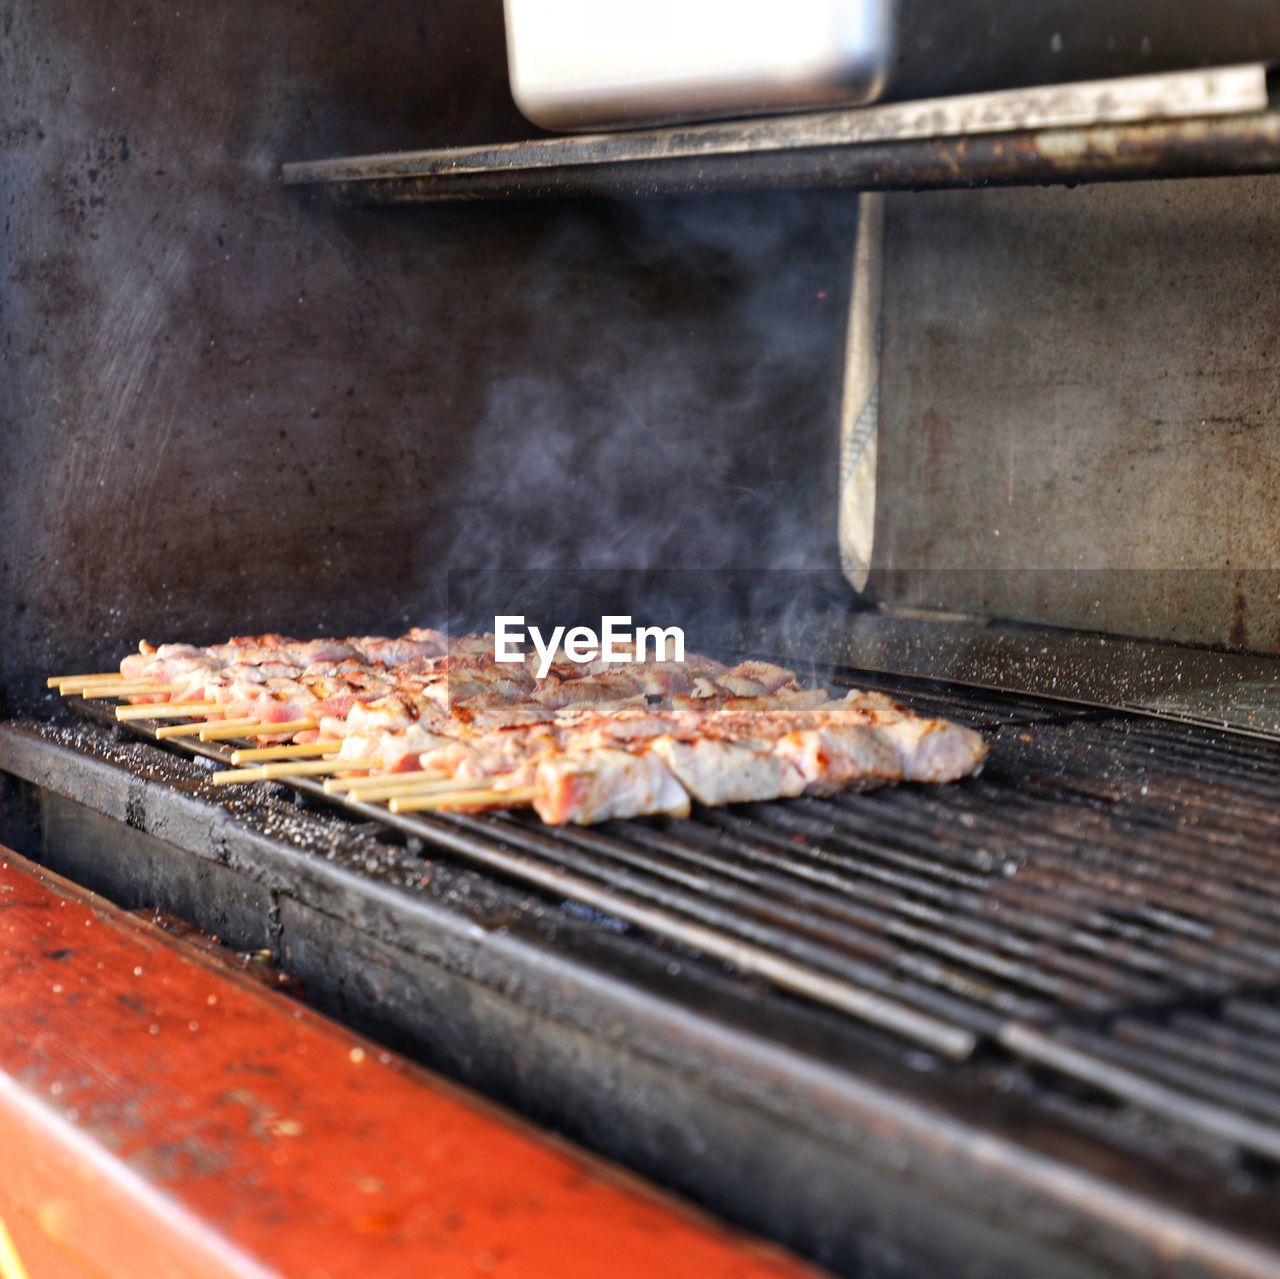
(845, 1082)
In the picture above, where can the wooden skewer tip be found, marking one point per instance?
(255, 728)
(465, 799)
(216, 729)
(229, 775)
(298, 750)
(190, 730)
(284, 771)
(360, 790)
(56, 681)
(168, 710)
(122, 690)
(391, 781)
(316, 767)
(289, 726)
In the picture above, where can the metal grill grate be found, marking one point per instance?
(1104, 902)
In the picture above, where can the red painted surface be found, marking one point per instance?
(161, 1116)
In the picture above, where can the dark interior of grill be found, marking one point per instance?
(1025, 1024)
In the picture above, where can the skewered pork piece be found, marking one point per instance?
(460, 675)
(719, 756)
(931, 750)
(771, 760)
(928, 750)
(275, 680)
(731, 757)
(253, 650)
(586, 784)
(716, 759)
(589, 742)
(728, 772)
(598, 785)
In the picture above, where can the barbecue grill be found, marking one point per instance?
(1025, 1024)
(1064, 970)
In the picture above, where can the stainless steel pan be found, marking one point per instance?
(587, 64)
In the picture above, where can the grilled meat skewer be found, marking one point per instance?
(589, 742)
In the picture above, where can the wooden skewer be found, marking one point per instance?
(465, 799)
(289, 726)
(218, 730)
(392, 781)
(256, 729)
(98, 690)
(318, 767)
(122, 690)
(239, 775)
(118, 681)
(299, 750)
(282, 772)
(169, 710)
(56, 681)
(359, 790)
(191, 730)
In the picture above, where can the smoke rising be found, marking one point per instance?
(673, 409)
(674, 404)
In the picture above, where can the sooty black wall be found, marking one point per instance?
(225, 407)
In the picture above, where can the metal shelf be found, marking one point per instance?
(1180, 124)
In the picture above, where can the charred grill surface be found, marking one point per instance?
(1082, 943)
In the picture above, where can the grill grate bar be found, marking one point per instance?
(1046, 1049)
(1174, 1044)
(922, 901)
(961, 912)
(1175, 1070)
(867, 919)
(1243, 1044)
(761, 921)
(1256, 1016)
(1151, 852)
(475, 840)
(1049, 886)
